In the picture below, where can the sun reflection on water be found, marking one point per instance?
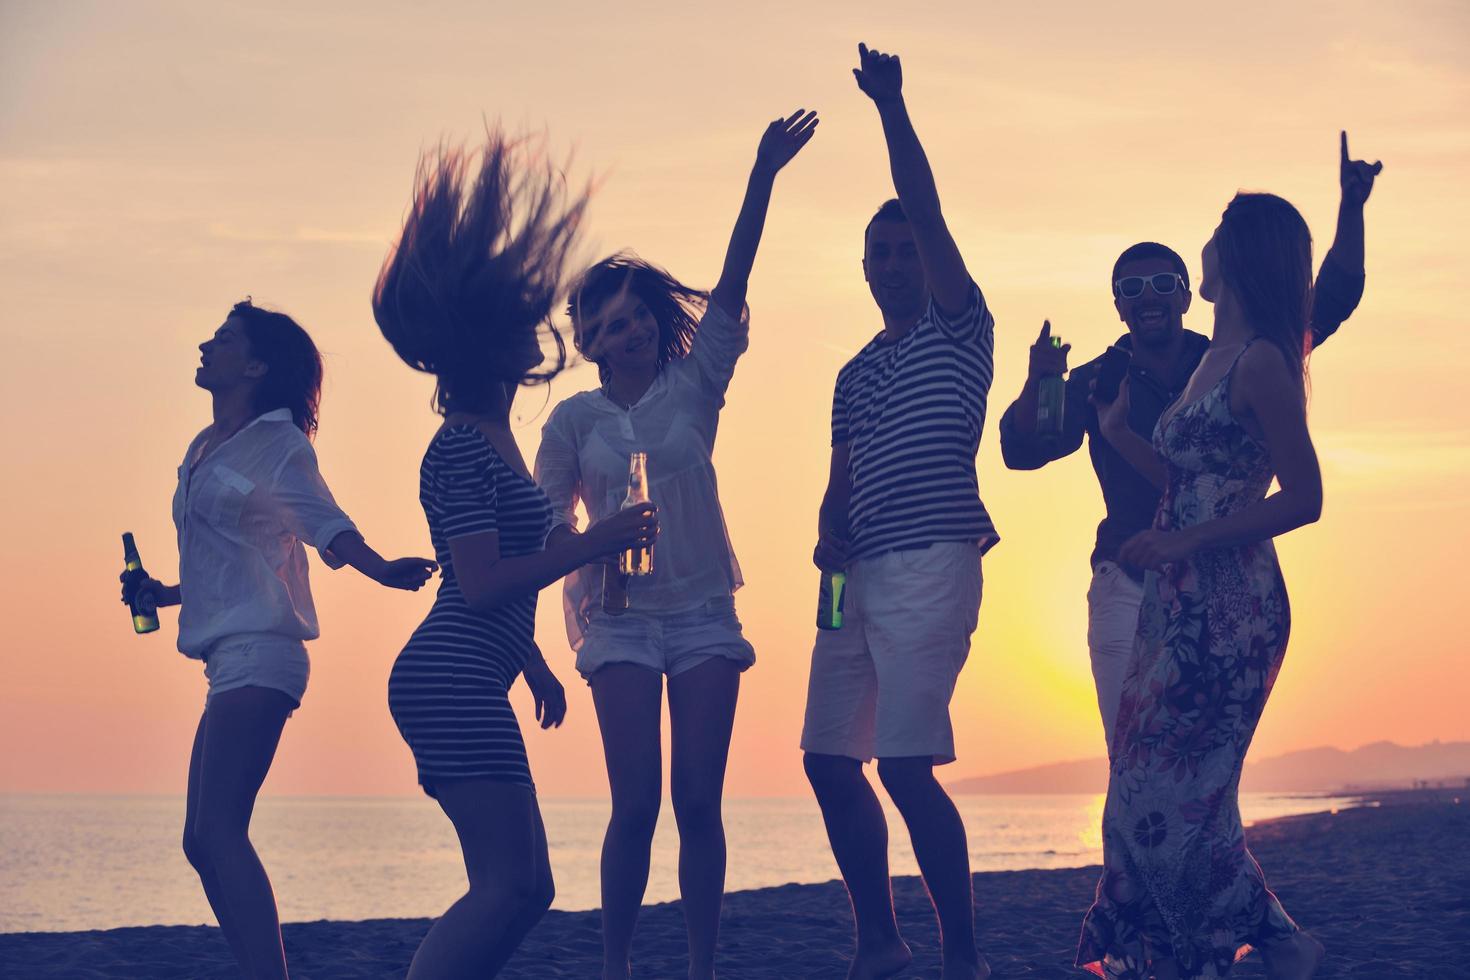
(1091, 836)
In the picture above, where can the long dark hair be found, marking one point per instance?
(675, 307)
(1265, 252)
(293, 377)
(474, 274)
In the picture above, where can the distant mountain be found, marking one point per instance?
(1380, 765)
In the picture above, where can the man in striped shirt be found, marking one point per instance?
(902, 517)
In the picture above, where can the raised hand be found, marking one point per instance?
(783, 140)
(879, 75)
(408, 574)
(1046, 360)
(1356, 176)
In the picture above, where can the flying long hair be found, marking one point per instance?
(293, 377)
(1265, 252)
(472, 279)
(675, 307)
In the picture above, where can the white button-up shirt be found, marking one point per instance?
(584, 452)
(242, 513)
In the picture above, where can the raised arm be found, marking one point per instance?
(780, 143)
(1340, 280)
(880, 76)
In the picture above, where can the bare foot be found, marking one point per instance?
(876, 964)
(1296, 958)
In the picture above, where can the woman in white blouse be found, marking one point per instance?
(664, 369)
(249, 495)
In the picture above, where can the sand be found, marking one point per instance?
(1385, 887)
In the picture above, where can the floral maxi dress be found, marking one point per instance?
(1178, 881)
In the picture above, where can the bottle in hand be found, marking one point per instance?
(1051, 396)
(637, 562)
(830, 600)
(143, 607)
(614, 590)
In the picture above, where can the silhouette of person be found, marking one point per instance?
(902, 516)
(249, 496)
(665, 354)
(1151, 294)
(1180, 894)
(462, 296)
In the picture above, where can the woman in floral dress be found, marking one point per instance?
(1180, 894)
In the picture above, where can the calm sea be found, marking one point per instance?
(99, 862)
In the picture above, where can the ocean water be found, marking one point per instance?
(99, 862)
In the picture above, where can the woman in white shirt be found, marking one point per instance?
(664, 369)
(249, 496)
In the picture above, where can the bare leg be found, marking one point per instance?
(241, 731)
(859, 837)
(199, 859)
(938, 835)
(629, 702)
(499, 828)
(701, 715)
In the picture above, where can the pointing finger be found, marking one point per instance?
(1344, 148)
(1045, 332)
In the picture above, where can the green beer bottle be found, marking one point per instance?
(1051, 396)
(143, 606)
(830, 600)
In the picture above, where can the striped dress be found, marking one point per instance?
(447, 691)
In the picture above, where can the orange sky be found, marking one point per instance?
(160, 161)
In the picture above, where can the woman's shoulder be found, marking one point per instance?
(1262, 360)
(458, 444)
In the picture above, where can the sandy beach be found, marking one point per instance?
(1386, 887)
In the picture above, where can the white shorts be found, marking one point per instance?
(1112, 625)
(257, 660)
(880, 686)
(668, 643)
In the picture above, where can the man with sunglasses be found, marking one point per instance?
(1151, 294)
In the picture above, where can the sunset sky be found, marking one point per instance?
(159, 161)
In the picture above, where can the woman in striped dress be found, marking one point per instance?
(462, 296)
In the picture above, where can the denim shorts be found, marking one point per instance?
(669, 643)
(257, 660)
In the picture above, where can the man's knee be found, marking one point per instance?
(908, 778)
(831, 773)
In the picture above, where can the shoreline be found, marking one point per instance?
(1376, 882)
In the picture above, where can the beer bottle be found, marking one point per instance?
(143, 607)
(614, 591)
(1051, 396)
(636, 561)
(830, 600)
